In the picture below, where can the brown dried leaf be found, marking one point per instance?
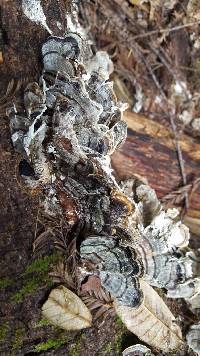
(98, 301)
(93, 283)
(66, 310)
(177, 196)
(152, 322)
(12, 90)
(61, 274)
(41, 240)
(94, 304)
(104, 311)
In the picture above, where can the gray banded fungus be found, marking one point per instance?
(71, 125)
(137, 350)
(193, 338)
(115, 266)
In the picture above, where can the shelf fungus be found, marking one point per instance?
(117, 267)
(137, 350)
(70, 126)
(193, 338)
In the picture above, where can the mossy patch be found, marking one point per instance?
(18, 340)
(36, 275)
(4, 283)
(77, 347)
(108, 348)
(28, 288)
(4, 329)
(52, 344)
(119, 322)
(43, 322)
(42, 265)
(115, 347)
(118, 343)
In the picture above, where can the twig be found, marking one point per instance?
(36, 222)
(167, 65)
(175, 28)
(181, 161)
(176, 196)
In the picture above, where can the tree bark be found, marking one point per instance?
(150, 151)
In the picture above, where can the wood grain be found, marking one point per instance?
(150, 152)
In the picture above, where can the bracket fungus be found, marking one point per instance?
(193, 338)
(71, 125)
(116, 266)
(137, 350)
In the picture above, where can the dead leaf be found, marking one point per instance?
(152, 322)
(98, 301)
(66, 310)
(93, 283)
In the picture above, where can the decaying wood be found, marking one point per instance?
(150, 151)
(22, 59)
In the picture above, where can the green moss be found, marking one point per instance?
(5, 283)
(113, 348)
(42, 265)
(107, 350)
(52, 344)
(76, 348)
(43, 322)
(4, 329)
(28, 288)
(119, 322)
(18, 340)
(36, 275)
(118, 343)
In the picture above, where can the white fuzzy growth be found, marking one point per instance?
(59, 25)
(100, 63)
(196, 124)
(31, 135)
(139, 96)
(73, 24)
(72, 27)
(34, 11)
(51, 149)
(179, 89)
(158, 99)
(179, 236)
(164, 228)
(186, 117)
(106, 167)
